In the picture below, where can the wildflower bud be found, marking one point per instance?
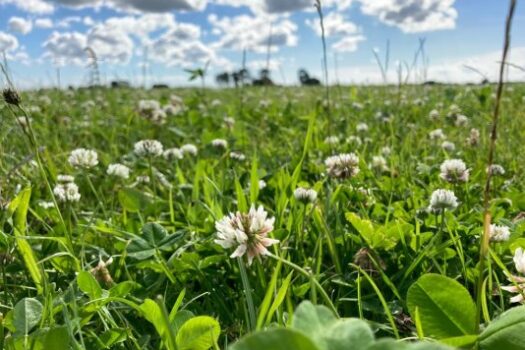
(11, 97)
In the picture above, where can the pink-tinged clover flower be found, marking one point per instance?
(247, 233)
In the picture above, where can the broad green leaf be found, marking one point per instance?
(445, 307)
(198, 333)
(123, 289)
(276, 339)
(89, 285)
(152, 312)
(52, 338)
(26, 315)
(132, 200)
(329, 332)
(507, 332)
(376, 236)
(113, 336)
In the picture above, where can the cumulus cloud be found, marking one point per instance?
(20, 25)
(253, 32)
(110, 44)
(413, 16)
(44, 23)
(66, 48)
(31, 6)
(336, 26)
(181, 46)
(7, 42)
(157, 5)
(283, 6)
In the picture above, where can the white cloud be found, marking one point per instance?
(253, 33)
(348, 44)
(32, 6)
(7, 42)
(283, 6)
(110, 44)
(487, 63)
(181, 46)
(413, 16)
(66, 48)
(44, 23)
(138, 6)
(67, 21)
(157, 6)
(348, 34)
(143, 26)
(20, 25)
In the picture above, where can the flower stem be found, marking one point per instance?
(248, 294)
(314, 281)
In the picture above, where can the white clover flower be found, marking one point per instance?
(496, 170)
(163, 179)
(356, 140)
(67, 192)
(262, 184)
(176, 100)
(519, 260)
(448, 146)
(219, 143)
(305, 195)
(499, 233)
(118, 170)
(216, 103)
(473, 139)
(461, 120)
(65, 178)
(237, 156)
(331, 140)
(436, 134)
(172, 110)
(441, 200)
(142, 179)
(147, 107)
(357, 105)
(454, 171)
(229, 122)
(158, 117)
(518, 287)
(190, 149)
(454, 110)
(46, 205)
(434, 114)
(342, 165)
(247, 233)
(148, 148)
(361, 127)
(379, 163)
(83, 158)
(173, 153)
(386, 151)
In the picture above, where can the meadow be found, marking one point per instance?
(261, 218)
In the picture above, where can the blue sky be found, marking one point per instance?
(40, 35)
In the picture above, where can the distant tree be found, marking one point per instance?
(242, 76)
(305, 78)
(264, 78)
(223, 79)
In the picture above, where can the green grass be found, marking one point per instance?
(363, 266)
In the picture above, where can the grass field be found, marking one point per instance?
(142, 255)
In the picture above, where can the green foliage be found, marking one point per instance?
(445, 307)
